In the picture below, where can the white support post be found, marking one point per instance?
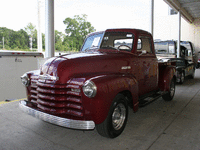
(152, 17)
(179, 35)
(39, 34)
(49, 31)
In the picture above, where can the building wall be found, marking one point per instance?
(196, 26)
(187, 31)
(166, 27)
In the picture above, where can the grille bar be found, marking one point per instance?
(57, 99)
(61, 111)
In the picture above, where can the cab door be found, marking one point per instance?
(148, 65)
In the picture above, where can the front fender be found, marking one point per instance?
(108, 86)
(33, 75)
(165, 76)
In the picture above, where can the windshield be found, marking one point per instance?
(118, 40)
(92, 42)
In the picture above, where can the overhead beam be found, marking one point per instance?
(175, 4)
(191, 4)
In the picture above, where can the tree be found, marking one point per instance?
(23, 39)
(30, 29)
(14, 39)
(77, 29)
(59, 36)
(32, 32)
(43, 41)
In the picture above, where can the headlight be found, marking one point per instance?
(89, 89)
(25, 80)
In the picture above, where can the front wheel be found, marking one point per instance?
(170, 94)
(116, 120)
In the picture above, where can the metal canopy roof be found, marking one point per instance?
(190, 9)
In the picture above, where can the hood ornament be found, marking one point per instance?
(48, 77)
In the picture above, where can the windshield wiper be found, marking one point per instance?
(89, 48)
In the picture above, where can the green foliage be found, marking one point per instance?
(30, 29)
(77, 29)
(58, 41)
(32, 32)
(43, 41)
(18, 40)
(13, 39)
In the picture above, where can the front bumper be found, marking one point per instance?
(69, 123)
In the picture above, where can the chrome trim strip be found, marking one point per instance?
(69, 123)
(48, 77)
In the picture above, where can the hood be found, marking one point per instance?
(61, 69)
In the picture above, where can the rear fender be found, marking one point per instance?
(108, 86)
(165, 76)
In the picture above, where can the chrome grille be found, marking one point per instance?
(57, 99)
(33, 90)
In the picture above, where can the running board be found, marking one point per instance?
(148, 100)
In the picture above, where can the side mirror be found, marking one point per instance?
(143, 52)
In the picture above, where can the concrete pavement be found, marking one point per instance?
(160, 125)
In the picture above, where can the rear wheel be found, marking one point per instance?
(116, 120)
(192, 75)
(170, 94)
(182, 78)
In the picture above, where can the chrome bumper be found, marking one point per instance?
(69, 123)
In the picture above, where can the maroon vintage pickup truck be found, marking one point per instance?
(91, 89)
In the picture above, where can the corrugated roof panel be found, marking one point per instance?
(190, 8)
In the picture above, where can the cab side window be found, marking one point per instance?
(144, 43)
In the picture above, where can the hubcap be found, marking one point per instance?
(118, 116)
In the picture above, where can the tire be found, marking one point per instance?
(116, 120)
(182, 78)
(170, 94)
(192, 75)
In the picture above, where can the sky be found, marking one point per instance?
(104, 14)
